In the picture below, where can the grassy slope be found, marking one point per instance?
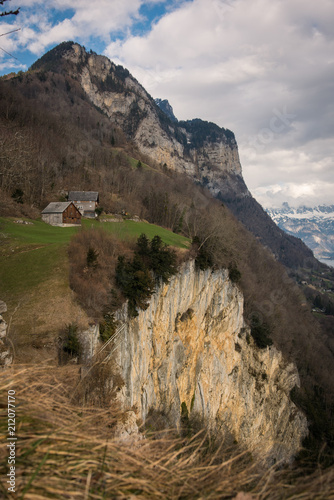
(34, 273)
(131, 229)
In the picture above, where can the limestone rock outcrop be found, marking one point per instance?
(191, 346)
(6, 351)
(212, 159)
(127, 429)
(89, 341)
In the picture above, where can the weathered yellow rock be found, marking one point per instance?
(6, 350)
(191, 345)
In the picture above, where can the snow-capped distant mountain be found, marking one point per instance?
(315, 226)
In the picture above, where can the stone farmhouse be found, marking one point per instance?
(61, 214)
(85, 201)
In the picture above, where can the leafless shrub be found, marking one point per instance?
(9, 208)
(99, 385)
(93, 285)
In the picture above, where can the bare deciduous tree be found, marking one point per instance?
(8, 12)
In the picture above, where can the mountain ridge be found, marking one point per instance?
(203, 151)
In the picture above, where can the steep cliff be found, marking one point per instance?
(202, 150)
(166, 108)
(191, 346)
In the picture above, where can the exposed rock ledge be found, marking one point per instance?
(6, 354)
(216, 163)
(191, 346)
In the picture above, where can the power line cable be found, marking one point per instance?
(8, 32)
(5, 51)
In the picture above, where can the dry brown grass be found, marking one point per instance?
(66, 451)
(36, 321)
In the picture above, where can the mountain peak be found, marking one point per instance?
(51, 59)
(166, 108)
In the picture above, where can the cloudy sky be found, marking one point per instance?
(262, 68)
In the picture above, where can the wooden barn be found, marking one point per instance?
(85, 201)
(61, 214)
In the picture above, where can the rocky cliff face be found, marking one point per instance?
(212, 161)
(191, 346)
(166, 108)
(6, 352)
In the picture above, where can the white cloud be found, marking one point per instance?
(86, 19)
(273, 196)
(292, 175)
(56, 34)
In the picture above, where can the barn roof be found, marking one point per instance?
(83, 196)
(56, 207)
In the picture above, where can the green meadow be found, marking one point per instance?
(31, 254)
